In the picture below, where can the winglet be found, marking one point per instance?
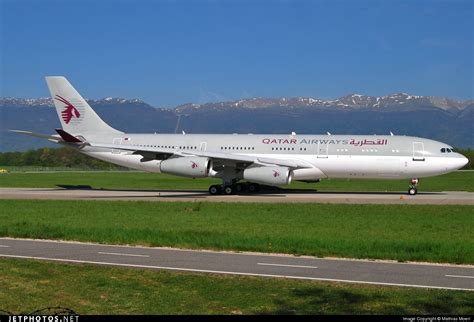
(67, 137)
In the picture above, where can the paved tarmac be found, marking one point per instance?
(455, 277)
(274, 195)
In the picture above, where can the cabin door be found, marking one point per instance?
(418, 151)
(323, 150)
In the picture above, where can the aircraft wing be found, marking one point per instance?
(291, 163)
(145, 151)
(148, 152)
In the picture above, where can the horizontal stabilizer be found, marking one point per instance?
(53, 138)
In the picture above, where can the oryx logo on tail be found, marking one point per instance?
(69, 110)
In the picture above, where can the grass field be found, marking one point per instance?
(28, 285)
(400, 232)
(455, 181)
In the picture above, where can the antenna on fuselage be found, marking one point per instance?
(328, 133)
(391, 134)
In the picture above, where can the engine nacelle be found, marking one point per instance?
(196, 167)
(308, 175)
(271, 175)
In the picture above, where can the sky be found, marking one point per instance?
(169, 53)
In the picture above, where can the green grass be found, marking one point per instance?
(33, 168)
(400, 232)
(455, 181)
(28, 285)
(106, 180)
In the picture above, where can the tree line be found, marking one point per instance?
(71, 158)
(57, 157)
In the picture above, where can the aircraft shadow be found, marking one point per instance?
(263, 191)
(87, 187)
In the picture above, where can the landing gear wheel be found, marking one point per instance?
(413, 187)
(239, 187)
(229, 190)
(253, 187)
(412, 191)
(214, 190)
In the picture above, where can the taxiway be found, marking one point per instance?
(423, 275)
(85, 193)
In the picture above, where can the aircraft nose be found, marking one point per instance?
(460, 161)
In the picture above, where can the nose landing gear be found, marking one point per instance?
(413, 187)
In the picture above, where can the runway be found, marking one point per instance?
(419, 275)
(275, 195)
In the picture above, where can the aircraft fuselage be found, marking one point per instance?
(337, 156)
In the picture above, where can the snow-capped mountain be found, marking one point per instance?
(48, 101)
(13, 101)
(438, 118)
(353, 101)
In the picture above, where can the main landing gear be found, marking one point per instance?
(231, 189)
(413, 187)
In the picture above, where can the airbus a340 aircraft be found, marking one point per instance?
(266, 159)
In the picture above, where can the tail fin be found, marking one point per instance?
(75, 114)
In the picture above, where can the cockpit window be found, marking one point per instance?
(449, 150)
(452, 150)
(443, 150)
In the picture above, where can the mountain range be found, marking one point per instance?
(444, 119)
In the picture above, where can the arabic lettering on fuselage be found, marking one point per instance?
(325, 141)
(368, 142)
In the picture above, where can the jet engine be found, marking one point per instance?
(195, 167)
(271, 175)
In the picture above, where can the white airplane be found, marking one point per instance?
(268, 159)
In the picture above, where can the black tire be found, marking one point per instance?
(253, 187)
(412, 191)
(229, 190)
(214, 190)
(239, 187)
